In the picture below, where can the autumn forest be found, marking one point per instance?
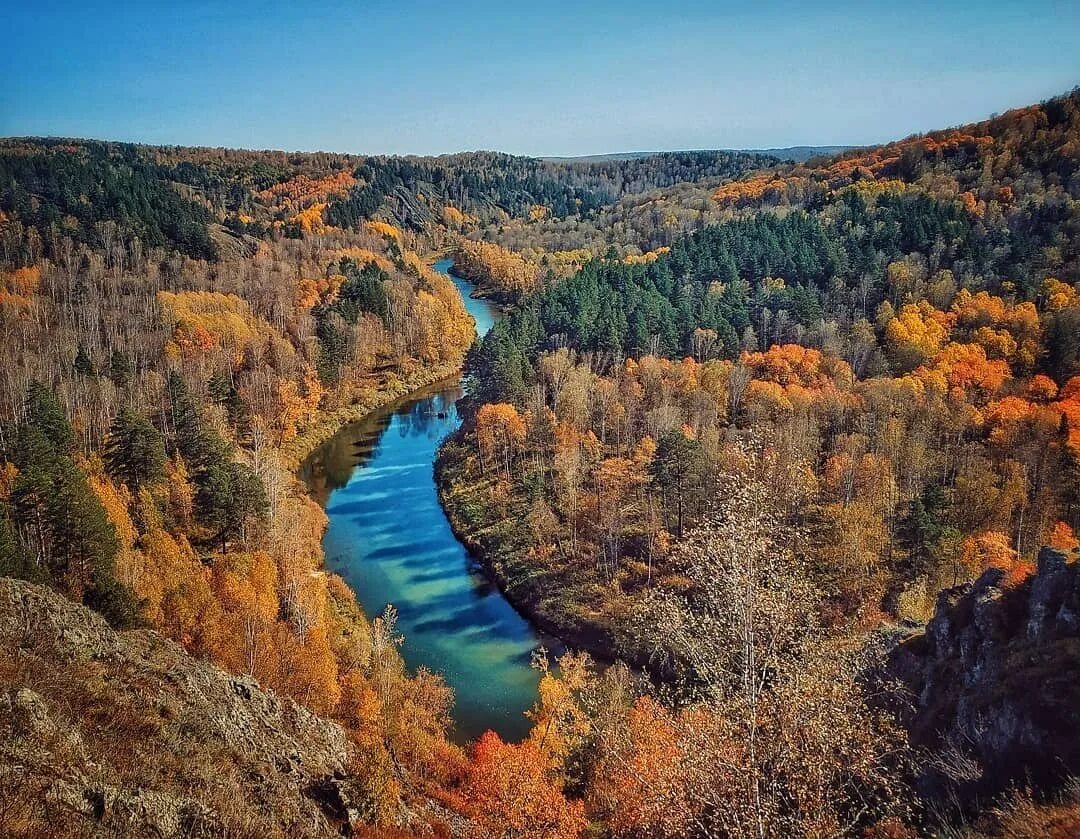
(785, 454)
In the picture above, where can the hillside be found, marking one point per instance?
(1006, 186)
(859, 383)
(211, 202)
(752, 426)
(111, 733)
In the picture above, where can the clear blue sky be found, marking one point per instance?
(547, 78)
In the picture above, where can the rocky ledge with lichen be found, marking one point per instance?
(994, 681)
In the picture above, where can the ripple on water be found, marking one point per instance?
(390, 540)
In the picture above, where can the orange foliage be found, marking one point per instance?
(1010, 332)
(1063, 538)
(296, 404)
(794, 364)
(640, 785)
(307, 294)
(17, 290)
(510, 789)
(303, 191)
(501, 432)
(1042, 388)
(22, 281)
(965, 366)
(310, 220)
(972, 204)
(1006, 417)
(991, 549)
(765, 187)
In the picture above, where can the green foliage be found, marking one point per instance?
(114, 601)
(477, 181)
(229, 496)
(135, 450)
(364, 290)
(933, 538)
(63, 533)
(121, 369)
(93, 183)
(44, 414)
(224, 392)
(14, 561)
(676, 470)
(83, 364)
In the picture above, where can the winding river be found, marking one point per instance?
(390, 540)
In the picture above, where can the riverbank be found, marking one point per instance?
(370, 467)
(395, 387)
(499, 544)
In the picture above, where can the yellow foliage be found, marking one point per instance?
(383, 228)
(916, 334)
(1058, 295)
(202, 321)
(453, 217)
(302, 191)
(495, 267)
(311, 220)
(362, 256)
(645, 258)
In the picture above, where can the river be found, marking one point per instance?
(390, 540)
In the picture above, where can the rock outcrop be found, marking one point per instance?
(995, 679)
(111, 734)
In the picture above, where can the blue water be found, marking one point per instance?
(390, 540)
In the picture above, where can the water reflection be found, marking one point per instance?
(389, 539)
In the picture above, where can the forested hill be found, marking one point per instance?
(838, 405)
(192, 199)
(989, 207)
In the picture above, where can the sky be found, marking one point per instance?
(547, 78)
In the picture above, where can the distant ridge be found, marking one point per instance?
(798, 154)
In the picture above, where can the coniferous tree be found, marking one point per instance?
(229, 498)
(44, 413)
(121, 369)
(135, 450)
(83, 364)
(63, 532)
(674, 470)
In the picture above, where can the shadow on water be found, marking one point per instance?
(390, 540)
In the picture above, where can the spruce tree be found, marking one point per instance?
(135, 450)
(121, 369)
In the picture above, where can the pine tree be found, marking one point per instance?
(135, 450)
(83, 364)
(229, 497)
(674, 470)
(62, 530)
(121, 369)
(44, 412)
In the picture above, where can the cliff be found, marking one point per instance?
(994, 681)
(106, 733)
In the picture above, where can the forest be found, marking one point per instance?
(787, 453)
(865, 375)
